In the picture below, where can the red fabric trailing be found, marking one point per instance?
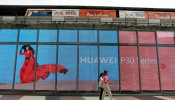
(42, 72)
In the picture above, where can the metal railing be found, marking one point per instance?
(83, 20)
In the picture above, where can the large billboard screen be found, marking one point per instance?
(130, 66)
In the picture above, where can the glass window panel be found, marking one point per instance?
(28, 35)
(8, 35)
(166, 62)
(108, 36)
(67, 36)
(149, 68)
(127, 37)
(47, 35)
(89, 36)
(7, 61)
(146, 37)
(67, 57)
(24, 76)
(129, 70)
(109, 61)
(46, 67)
(165, 37)
(88, 68)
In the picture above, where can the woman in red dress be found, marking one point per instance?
(42, 71)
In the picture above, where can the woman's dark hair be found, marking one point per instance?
(100, 76)
(105, 72)
(30, 48)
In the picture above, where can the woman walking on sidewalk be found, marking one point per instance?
(105, 85)
(101, 85)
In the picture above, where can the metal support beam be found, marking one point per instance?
(14, 72)
(36, 54)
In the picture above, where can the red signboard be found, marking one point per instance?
(159, 15)
(97, 13)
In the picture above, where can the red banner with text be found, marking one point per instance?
(159, 15)
(97, 13)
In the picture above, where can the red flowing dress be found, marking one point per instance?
(42, 71)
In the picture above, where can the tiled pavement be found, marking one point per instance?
(21, 97)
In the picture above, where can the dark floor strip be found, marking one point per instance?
(53, 98)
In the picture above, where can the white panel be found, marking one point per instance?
(66, 12)
(131, 14)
